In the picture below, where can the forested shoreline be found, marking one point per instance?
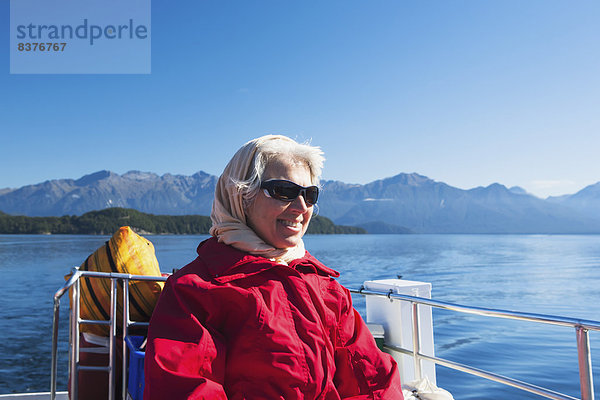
(108, 221)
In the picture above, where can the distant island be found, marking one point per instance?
(108, 221)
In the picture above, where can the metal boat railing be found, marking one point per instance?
(74, 283)
(582, 327)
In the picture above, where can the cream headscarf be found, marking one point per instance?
(228, 216)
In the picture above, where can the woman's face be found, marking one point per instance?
(279, 223)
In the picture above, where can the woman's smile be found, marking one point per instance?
(291, 224)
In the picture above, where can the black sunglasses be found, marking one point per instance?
(283, 190)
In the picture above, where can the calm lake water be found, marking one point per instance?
(550, 274)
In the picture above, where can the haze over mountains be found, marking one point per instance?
(399, 204)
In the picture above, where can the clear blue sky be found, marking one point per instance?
(464, 92)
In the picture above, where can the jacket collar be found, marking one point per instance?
(226, 263)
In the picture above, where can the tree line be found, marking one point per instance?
(108, 221)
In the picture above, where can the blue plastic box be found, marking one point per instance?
(135, 385)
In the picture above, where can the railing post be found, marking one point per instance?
(585, 364)
(54, 367)
(124, 335)
(112, 339)
(75, 319)
(415, 339)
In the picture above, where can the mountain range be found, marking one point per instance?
(404, 203)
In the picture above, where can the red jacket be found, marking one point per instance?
(237, 326)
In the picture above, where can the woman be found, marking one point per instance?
(255, 316)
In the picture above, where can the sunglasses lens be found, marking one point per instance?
(285, 190)
(311, 195)
(288, 191)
